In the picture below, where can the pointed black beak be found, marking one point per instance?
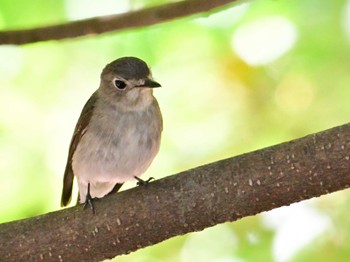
(150, 83)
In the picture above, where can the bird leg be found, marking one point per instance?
(89, 200)
(141, 182)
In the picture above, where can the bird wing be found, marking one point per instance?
(79, 131)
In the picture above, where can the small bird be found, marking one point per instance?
(118, 132)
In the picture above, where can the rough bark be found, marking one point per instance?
(189, 201)
(98, 25)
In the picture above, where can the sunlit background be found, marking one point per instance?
(247, 77)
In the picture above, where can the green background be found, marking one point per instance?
(218, 100)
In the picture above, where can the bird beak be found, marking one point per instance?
(150, 83)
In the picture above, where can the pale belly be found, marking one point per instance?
(114, 154)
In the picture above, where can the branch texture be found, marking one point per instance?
(189, 201)
(98, 25)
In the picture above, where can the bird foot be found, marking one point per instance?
(89, 200)
(141, 182)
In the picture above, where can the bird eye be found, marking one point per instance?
(119, 84)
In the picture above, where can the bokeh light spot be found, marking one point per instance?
(262, 41)
(299, 222)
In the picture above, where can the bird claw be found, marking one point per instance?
(141, 182)
(89, 200)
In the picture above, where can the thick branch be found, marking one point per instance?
(98, 25)
(190, 201)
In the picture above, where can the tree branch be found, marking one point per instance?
(98, 25)
(189, 201)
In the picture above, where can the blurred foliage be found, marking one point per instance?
(216, 103)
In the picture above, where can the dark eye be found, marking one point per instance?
(119, 84)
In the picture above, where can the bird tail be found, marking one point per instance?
(67, 186)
